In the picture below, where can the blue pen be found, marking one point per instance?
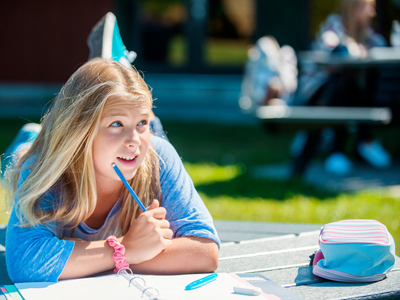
(200, 282)
(128, 187)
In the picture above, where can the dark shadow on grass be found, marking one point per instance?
(244, 186)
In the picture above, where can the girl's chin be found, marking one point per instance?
(128, 175)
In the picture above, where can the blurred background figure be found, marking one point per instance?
(345, 33)
(270, 76)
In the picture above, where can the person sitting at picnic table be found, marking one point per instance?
(347, 33)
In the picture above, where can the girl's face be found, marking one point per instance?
(364, 12)
(122, 138)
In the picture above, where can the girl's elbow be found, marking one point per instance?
(212, 259)
(213, 265)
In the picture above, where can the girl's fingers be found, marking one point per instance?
(154, 205)
(157, 213)
(163, 223)
(167, 233)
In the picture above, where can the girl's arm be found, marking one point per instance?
(188, 254)
(88, 258)
(147, 237)
(185, 255)
(148, 250)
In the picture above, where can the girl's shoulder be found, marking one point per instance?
(170, 163)
(161, 144)
(164, 149)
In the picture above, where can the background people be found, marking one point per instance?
(346, 33)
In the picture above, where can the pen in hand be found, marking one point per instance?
(128, 187)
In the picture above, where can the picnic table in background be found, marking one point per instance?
(382, 70)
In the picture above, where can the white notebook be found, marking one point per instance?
(131, 286)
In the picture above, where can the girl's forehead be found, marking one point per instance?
(120, 103)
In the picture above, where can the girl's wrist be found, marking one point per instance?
(119, 253)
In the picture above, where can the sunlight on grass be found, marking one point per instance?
(3, 213)
(203, 173)
(379, 205)
(225, 51)
(299, 209)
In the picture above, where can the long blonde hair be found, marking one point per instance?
(347, 9)
(60, 160)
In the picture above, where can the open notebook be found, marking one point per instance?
(131, 286)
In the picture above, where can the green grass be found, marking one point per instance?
(226, 51)
(3, 213)
(217, 51)
(220, 159)
(231, 193)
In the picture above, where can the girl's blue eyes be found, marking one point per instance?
(119, 124)
(116, 124)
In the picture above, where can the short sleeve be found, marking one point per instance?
(186, 211)
(34, 253)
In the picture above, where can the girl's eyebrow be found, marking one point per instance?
(120, 113)
(115, 113)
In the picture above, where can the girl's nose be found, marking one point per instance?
(133, 139)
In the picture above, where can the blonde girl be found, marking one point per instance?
(68, 199)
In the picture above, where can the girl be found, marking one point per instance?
(69, 200)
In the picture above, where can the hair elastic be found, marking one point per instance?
(118, 255)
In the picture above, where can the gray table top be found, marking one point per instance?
(324, 115)
(378, 57)
(280, 252)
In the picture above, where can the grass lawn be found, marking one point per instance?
(220, 159)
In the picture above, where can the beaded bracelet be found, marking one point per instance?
(118, 255)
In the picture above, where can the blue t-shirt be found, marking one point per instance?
(38, 253)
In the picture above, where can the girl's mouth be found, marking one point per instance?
(127, 158)
(127, 161)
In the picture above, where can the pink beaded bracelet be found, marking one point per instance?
(118, 255)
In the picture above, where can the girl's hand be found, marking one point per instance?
(148, 236)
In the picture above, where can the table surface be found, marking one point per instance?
(379, 56)
(324, 115)
(280, 252)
